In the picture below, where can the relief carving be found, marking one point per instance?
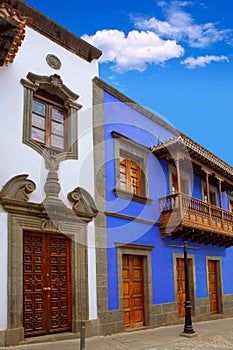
(83, 204)
(48, 225)
(53, 85)
(19, 188)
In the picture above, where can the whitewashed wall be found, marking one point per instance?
(17, 158)
(3, 269)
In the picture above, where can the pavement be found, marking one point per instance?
(211, 335)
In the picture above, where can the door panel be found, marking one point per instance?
(213, 286)
(133, 291)
(180, 281)
(34, 297)
(180, 277)
(47, 287)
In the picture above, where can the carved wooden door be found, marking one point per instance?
(180, 281)
(213, 286)
(47, 284)
(180, 277)
(133, 291)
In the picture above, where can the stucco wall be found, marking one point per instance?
(125, 120)
(17, 158)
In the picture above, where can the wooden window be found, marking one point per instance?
(131, 169)
(212, 193)
(231, 206)
(49, 123)
(130, 174)
(184, 182)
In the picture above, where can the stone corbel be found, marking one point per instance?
(83, 204)
(18, 188)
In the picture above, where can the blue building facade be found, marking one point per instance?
(155, 189)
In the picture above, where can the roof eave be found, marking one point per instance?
(55, 32)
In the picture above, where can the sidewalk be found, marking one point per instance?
(212, 335)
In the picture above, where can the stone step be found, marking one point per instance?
(51, 338)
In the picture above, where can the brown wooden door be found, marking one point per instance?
(213, 286)
(180, 277)
(180, 280)
(47, 284)
(133, 291)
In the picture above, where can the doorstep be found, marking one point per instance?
(50, 338)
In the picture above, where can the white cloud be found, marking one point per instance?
(181, 26)
(202, 61)
(134, 51)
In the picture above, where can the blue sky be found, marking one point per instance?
(173, 57)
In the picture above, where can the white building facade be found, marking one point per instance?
(47, 260)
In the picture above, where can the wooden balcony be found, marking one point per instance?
(190, 218)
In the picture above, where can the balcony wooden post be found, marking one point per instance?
(220, 200)
(208, 196)
(220, 191)
(177, 163)
(207, 187)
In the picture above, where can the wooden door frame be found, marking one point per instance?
(193, 287)
(218, 259)
(140, 250)
(77, 232)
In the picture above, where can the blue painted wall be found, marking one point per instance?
(125, 120)
(225, 202)
(197, 188)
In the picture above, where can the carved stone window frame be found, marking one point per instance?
(137, 151)
(54, 86)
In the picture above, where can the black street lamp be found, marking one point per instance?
(188, 327)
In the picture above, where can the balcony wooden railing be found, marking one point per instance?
(180, 211)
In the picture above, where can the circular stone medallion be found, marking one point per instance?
(53, 61)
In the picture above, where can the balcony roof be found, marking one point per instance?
(186, 147)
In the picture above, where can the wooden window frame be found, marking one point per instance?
(230, 202)
(138, 154)
(184, 177)
(213, 190)
(49, 105)
(51, 86)
(129, 161)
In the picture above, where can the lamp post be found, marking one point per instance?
(188, 327)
